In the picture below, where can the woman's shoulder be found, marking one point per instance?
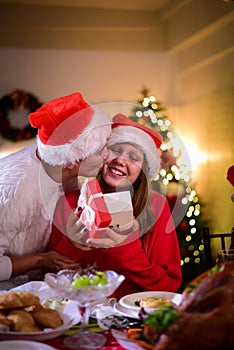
(157, 196)
(159, 202)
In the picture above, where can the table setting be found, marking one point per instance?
(92, 319)
(74, 306)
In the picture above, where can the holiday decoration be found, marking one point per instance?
(175, 183)
(18, 100)
(99, 211)
(67, 126)
(94, 214)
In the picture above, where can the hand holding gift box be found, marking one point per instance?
(101, 211)
(94, 210)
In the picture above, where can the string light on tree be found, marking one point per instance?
(175, 182)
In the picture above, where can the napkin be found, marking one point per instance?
(107, 317)
(102, 309)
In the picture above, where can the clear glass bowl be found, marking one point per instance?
(62, 283)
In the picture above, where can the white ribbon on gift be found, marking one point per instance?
(87, 216)
(82, 200)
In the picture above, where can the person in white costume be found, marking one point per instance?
(70, 142)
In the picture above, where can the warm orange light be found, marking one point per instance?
(196, 155)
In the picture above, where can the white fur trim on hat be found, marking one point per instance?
(92, 138)
(130, 134)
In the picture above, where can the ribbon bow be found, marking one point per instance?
(87, 216)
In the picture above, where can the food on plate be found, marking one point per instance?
(55, 304)
(47, 318)
(13, 300)
(22, 321)
(28, 299)
(4, 320)
(23, 312)
(204, 320)
(152, 302)
(136, 335)
(160, 320)
(10, 300)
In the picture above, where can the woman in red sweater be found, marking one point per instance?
(149, 257)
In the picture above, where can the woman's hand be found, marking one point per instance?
(112, 238)
(77, 233)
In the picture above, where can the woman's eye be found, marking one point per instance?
(134, 158)
(115, 150)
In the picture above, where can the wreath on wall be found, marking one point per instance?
(17, 100)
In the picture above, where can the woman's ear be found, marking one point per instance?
(70, 166)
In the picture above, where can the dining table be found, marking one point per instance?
(108, 316)
(114, 318)
(44, 292)
(111, 342)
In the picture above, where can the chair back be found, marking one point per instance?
(207, 236)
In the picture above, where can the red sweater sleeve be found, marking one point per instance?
(153, 262)
(62, 211)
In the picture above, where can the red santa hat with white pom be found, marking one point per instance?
(125, 130)
(69, 129)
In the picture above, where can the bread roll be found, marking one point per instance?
(10, 300)
(47, 318)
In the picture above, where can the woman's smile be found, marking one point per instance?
(115, 171)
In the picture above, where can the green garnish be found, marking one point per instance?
(161, 318)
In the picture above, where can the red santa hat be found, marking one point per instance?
(69, 129)
(125, 130)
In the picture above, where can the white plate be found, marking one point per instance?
(70, 315)
(38, 288)
(129, 301)
(124, 341)
(68, 321)
(24, 344)
(125, 311)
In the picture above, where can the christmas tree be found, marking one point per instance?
(175, 183)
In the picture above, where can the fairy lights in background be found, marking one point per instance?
(175, 176)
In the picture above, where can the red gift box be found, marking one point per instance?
(96, 201)
(101, 211)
